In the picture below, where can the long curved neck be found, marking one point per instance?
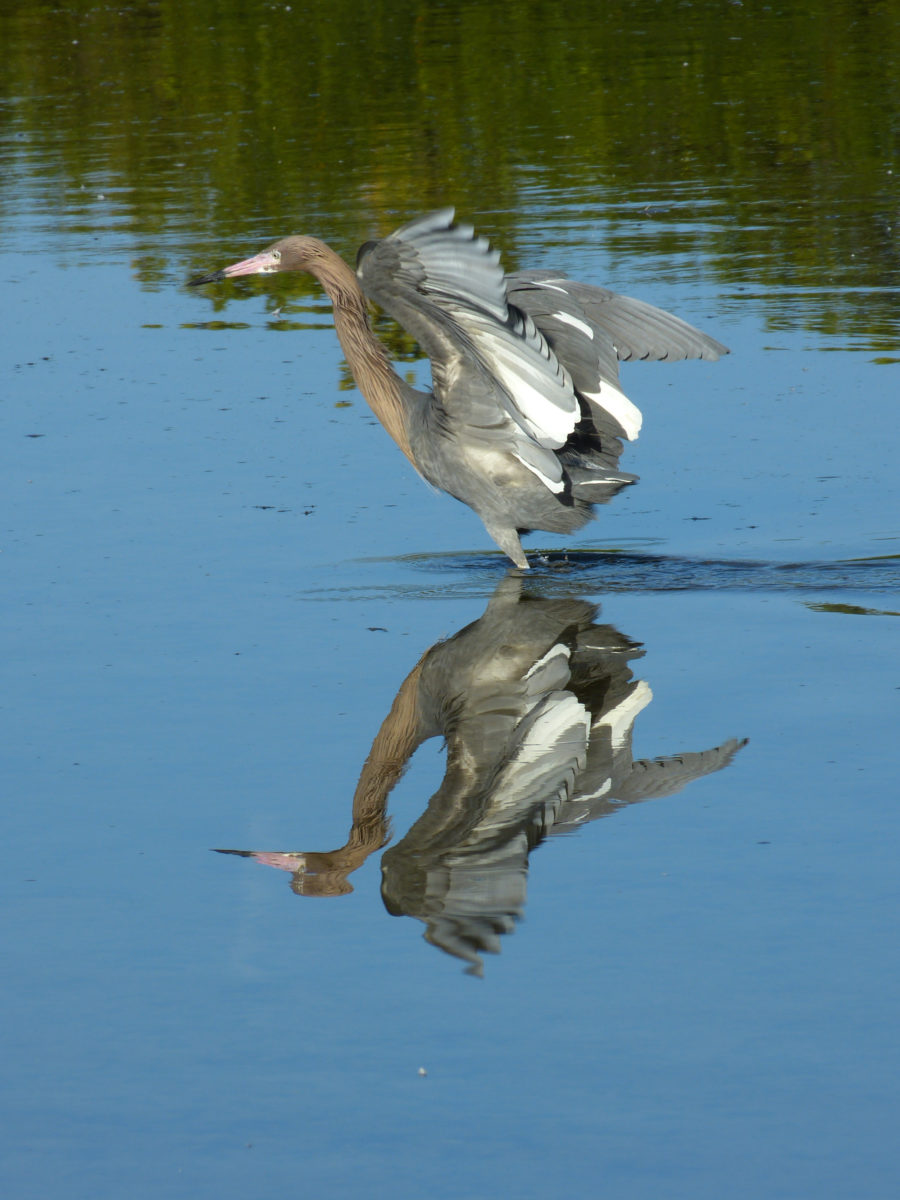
(325, 873)
(366, 356)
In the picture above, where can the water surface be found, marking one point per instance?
(659, 961)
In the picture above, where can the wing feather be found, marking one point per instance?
(448, 289)
(592, 329)
(637, 330)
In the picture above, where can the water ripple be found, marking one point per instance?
(597, 571)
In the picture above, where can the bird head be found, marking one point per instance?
(288, 254)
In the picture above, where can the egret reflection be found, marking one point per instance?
(536, 702)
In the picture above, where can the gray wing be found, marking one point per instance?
(493, 371)
(637, 330)
(645, 779)
(513, 756)
(650, 778)
(592, 329)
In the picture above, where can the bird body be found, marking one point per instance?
(525, 419)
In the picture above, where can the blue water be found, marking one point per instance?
(217, 573)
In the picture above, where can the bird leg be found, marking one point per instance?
(508, 541)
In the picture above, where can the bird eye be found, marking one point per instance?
(276, 254)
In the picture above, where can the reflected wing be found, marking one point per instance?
(650, 778)
(492, 368)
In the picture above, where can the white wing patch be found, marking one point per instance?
(563, 722)
(619, 407)
(594, 795)
(602, 479)
(543, 418)
(581, 326)
(542, 398)
(541, 462)
(609, 398)
(552, 669)
(620, 719)
(553, 485)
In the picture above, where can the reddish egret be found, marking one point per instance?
(525, 416)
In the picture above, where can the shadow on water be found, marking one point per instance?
(593, 571)
(536, 704)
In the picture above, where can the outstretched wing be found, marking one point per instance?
(492, 368)
(593, 329)
(650, 778)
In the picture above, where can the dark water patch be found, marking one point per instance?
(215, 326)
(853, 610)
(625, 571)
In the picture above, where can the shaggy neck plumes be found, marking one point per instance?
(366, 356)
